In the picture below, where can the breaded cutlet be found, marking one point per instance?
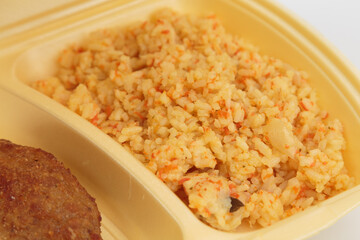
(41, 199)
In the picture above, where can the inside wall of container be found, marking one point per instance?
(39, 62)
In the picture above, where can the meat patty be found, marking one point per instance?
(41, 199)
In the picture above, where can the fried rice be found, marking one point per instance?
(209, 115)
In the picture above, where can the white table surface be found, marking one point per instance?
(339, 22)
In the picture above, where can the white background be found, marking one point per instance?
(339, 22)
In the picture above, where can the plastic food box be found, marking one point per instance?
(133, 202)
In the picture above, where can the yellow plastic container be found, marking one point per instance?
(135, 204)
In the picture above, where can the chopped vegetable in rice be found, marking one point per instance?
(239, 132)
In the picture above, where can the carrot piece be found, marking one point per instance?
(94, 120)
(108, 110)
(303, 106)
(312, 164)
(207, 211)
(234, 195)
(139, 115)
(181, 181)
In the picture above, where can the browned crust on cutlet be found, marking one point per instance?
(41, 199)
